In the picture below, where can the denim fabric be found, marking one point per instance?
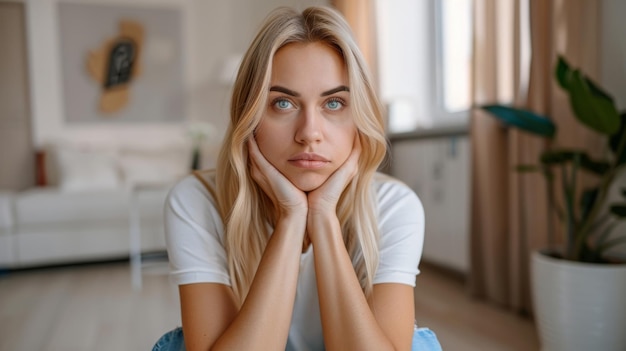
(171, 341)
(424, 339)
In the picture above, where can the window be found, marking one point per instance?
(424, 62)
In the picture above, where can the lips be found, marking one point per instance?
(307, 156)
(308, 160)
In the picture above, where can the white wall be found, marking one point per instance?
(613, 73)
(613, 76)
(213, 31)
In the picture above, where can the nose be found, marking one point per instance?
(310, 126)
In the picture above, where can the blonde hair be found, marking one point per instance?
(246, 210)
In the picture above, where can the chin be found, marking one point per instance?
(308, 183)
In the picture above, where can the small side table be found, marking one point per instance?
(134, 222)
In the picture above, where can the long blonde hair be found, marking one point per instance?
(246, 210)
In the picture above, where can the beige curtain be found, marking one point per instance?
(509, 215)
(361, 17)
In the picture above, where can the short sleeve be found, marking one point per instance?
(401, 223)
(194, 233)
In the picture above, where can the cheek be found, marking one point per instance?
(345, 142)
(346, 148)
(264, 147)
(267, 141)
(263, 133)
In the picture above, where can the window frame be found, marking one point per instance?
(441, 119)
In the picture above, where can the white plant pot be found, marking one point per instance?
(579, 306)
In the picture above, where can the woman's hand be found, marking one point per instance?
(324, 199)
(287, 198)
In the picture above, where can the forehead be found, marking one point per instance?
(314, 62)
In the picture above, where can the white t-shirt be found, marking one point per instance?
(194, 236)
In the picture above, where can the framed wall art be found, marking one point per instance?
(121, 64)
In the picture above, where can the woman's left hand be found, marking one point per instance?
(324, 199)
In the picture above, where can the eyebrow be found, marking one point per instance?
(336, 90)
(295, 94)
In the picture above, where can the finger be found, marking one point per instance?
(256, 172)
(253, 152)
(253, 149)
(258, 162)
(340, 179)
(356, 150)
(264, 166)
(273, 183)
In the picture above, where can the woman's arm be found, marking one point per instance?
(348, 322)
(210, 317)
(209, 313)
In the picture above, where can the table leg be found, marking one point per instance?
(135, 242)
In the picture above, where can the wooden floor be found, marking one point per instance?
(465, 324)
(93, 307)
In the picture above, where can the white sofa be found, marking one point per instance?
(47, 226)
(84, 214)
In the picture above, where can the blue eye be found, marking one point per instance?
(283, 104)
(334, 104)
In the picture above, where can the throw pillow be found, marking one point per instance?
(86, 168)
(153, 167)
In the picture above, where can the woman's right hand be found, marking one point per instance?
(286, 197)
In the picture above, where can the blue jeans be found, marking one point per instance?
(424, 339)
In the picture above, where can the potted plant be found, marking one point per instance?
(198, 132)
(579, 289)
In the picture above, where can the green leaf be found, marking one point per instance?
(596, 167)
(602, 236)
(600, 244)
(556, 157)
(610, 243)
(562, 72)
(560, 156)
(616, 138)
(587, 200)
(523, 119)
(527, 168)
(547, 173)
(592, 109)
(619, 210)
(597, 91)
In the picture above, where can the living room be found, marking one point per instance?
(85, 170)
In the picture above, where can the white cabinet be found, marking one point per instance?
(437, 169)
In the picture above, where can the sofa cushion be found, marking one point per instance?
(6, 215)
(45, 206)
(46, 246)
(87, 168)
(7, 251)
(7, 240)
(153, 166)
(79, 166)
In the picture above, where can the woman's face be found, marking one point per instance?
(307, 130)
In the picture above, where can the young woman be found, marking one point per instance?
(296, 242)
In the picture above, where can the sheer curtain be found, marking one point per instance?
(515, 48)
